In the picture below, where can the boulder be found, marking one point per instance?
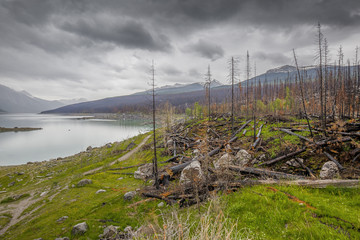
(191, 174)
(242, 158)
(130, 146)
(225, 160)
(62, 238)
(80, 229)
(84, 182)
(100, 191)
(128, 229)
(329, 170)
(109, 145)
(129, 195)
(160, 205)
(89, 148)
(294, 163)
(144, 172)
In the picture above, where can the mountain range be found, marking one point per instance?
(180, 95)
(12, 101)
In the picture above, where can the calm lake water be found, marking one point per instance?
(61, 136)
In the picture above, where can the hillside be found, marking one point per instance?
(22, 102)
(98, 188)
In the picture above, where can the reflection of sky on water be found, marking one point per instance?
(61, 136)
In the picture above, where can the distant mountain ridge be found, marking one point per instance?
(12, 101)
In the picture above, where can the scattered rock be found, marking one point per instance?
(128, 229)
(294, 163)
(130, 146)
(120, 178)
(196, 152)
(89, 148)
(110, 232)
(11, 184)
(84, 182)
(242, 158)
(191, 174)
(43, 194)
(144, 172)
(100, 191)
(225, 160)
(108, 145)
(160, 205)
(62, 238)
(80, 229)
(170, 144)
(39, 239)
(329, 170)
(62, 219)
(20, 173)
(129, 195)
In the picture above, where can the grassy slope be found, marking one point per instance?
(264, 214)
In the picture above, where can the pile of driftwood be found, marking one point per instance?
(189, 179)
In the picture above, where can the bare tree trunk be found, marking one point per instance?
(155, 167)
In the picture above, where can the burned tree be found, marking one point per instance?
(155, 167)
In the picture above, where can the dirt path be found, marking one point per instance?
(123, 158)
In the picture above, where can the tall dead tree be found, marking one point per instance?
(247, 83)
(208, 91)
(301, 80)
(320, 73)
(254, 102)
(232, 94)
(155, 167)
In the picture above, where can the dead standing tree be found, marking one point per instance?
(155, 167)
(208, 91)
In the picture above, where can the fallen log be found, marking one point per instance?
(294, 134)
(241, 128)
(122, 168)
(334, 160)
(328, 142)
(172, 159)
(283, 157)
(356, 158)
(244, 132)
(258, 135)
(150, 195)
(348, 183)
(264, 172)
(253, 146)
(212, 131)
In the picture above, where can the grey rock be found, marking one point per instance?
(196, 152)
(225, 160)
(100, 191)
(62, 238)
(192, 174)
(43, 194)
(242, 158)
(144, 172)
(110, 232)
(62, 219)
(128, 229)
(108, 145)
(120, 178)
(84, 182)
(329, 170)
(11, 184)
(129, 195)
(80, 229)
(20, 173)
(130, 146)
(38, 239)
(89, 148)
(160, 205)
(294, 163)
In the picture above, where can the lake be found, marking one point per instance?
(60, 136)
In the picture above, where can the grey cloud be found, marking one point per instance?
(276, 58)
(171, 70)
(205, 49)
(130, 34)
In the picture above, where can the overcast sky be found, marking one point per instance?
(94, 49)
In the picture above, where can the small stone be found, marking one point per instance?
(196, 152)
(62, 219)
(43, 194)
(11, 184)
(108, 145)
(294, 163)
(160, 205)
(120, 178)
(38, 239)
(138, 189)
(100, 191)
(109, 232)
(329, 170)
(73, 185)
(62, 238)
(89, 148)
(84, 182)
(80, 229)
(128, 229)
(20, 173)
(129, 195)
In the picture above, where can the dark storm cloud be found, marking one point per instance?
(205, 49)
(277, 58)
(129, 34)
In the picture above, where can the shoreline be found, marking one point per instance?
(18, 129)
